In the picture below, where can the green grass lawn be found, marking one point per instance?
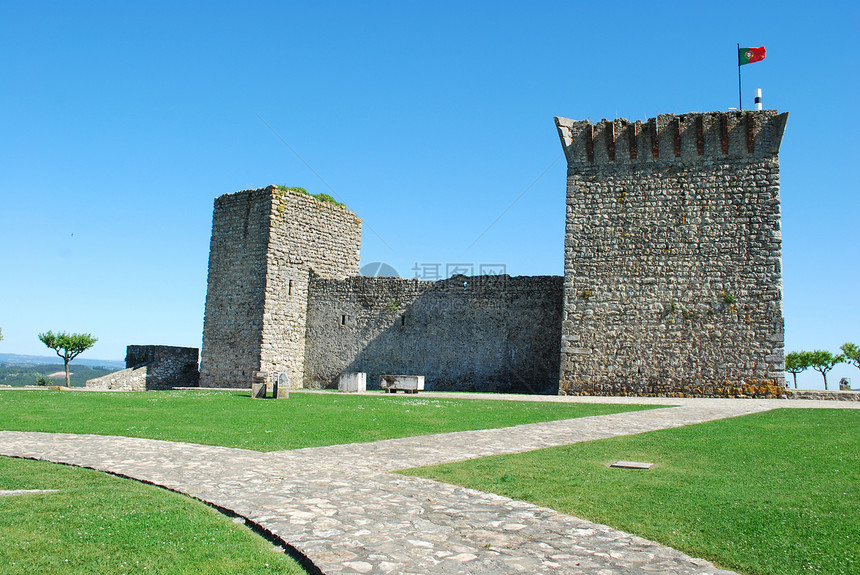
(101, 524)
(777, 492)
(233, 419)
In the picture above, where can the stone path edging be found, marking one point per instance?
(342, 508)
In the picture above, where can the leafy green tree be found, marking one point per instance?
(851, 352)
(1, 335)
(795, 362)
(70, 344)
(824, 361)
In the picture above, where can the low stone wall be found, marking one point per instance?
(821, 394)
(654, 387)
(129, 379)
(152, 367)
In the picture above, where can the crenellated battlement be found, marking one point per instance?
(684, 138)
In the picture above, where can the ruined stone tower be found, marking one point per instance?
(672, 279)
(265, 245)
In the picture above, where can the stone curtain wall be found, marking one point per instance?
(152, 367)
(673, 280)
(264, 244)
(486, 333)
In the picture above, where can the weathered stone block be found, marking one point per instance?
(407, 383)
(281, 386)
(258, 390)
(352, 382)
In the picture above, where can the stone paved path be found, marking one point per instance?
(340, 507)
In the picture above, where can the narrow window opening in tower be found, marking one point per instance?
(403, 320)
(290, 288)
(342, 321)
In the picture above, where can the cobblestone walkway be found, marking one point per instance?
(341, 508)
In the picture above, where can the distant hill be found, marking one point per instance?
(18, 375)
(19, 370)
(16, 359)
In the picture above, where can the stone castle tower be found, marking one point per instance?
(265, 245)
(672, 264)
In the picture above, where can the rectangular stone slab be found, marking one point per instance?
(352, 382)
(632, 465)
(408, 383)
(258, 390)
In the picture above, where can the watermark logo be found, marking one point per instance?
(435, 271)
(481, 276)
(379, 270)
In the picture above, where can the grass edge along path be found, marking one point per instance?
(102, 524)
(771, 493)
(232, 419)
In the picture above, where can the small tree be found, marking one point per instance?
(71, 345)
(851, 352)
(824, 361)
(795, 362)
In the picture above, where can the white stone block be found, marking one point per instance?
(352, 382)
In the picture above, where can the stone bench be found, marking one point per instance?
(406, 383)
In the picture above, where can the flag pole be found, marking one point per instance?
(740, 98)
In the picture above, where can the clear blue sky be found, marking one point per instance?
(120, 122)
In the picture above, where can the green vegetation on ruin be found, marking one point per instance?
(98, 524)
(321, 197)
(233, 419)
(772, 493)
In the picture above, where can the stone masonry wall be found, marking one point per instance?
(152, 367)
(308, 237)
(169, 366)
(233, 320)
(673, 280)
(487, 333)
(129, 379)
(265, 243)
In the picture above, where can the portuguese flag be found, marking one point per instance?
(750, 55)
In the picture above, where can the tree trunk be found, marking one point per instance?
(795, 380)
(68, 384)
(825, 380)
